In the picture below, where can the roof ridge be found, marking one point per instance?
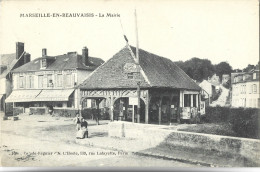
(141, 68)
(95, 71)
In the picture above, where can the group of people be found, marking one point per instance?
(81, 127)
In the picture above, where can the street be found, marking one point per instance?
(38, 141)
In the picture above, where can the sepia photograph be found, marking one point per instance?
(130, 85)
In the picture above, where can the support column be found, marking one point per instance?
(160, 111)
(133, 114)
(147, 104)
(181, 104)
(191, 100)
(97, 114)
(112, 109)
(121, 108)
(170, 108)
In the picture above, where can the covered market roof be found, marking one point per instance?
(156, 72)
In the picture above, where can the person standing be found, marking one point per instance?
(84, 128)
(77, 121)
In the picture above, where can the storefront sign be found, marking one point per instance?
(133, 101)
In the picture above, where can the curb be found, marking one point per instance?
(150, 154)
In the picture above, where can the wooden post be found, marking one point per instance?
(97, 114)
(121, 109)
(191, 100)
(126, 108)
(112, 109)
(180, 106)
(160, 111)
(139, 104)
(170, 111)
(133, 114)
(147, 108)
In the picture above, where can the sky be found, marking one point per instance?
(218, 30)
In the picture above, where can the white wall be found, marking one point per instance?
(245, 97)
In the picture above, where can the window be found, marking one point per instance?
(187, 98)
(254, 75)
(31, 80)
(194, 100)
(40, 81)
(59, 80)
(68, 80)
(69, 103)
(49, 80)
(21, 82)
(130, 75)
(254, 88)
(43, 63)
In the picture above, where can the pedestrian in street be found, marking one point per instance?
(96, 115)
(83, 132)
(77, 122)
(84, 128)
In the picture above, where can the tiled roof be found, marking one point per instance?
(246, 77)
(8, 60)
(62, 62)
(158, 72)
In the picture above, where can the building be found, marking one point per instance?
(49, 82)
(215, 80)
(225, 79)
(210, 90)
(245, 89)
(9, 62)
(166, 91)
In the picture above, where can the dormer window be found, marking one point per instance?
(43, 64)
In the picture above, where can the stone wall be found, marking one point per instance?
(153, 135)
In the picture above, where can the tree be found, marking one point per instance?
(197, 69)
(223, 68)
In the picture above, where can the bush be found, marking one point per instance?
(244, 122)
(216, 114)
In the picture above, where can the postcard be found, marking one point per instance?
(129, 84)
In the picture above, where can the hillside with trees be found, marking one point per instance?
(200, 69)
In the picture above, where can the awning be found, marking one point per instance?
(22, 96)
(54, 95)
(39, 95)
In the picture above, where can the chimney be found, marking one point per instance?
(19, 49)
(85, 56)
(44, 52)
(27, 58)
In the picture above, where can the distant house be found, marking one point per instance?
(49, 82)
(225, 79)
(210, 90)
(245, 89)
(9, 62)
(215, 80)
(166, 91)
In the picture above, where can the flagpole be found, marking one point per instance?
(138, 70)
